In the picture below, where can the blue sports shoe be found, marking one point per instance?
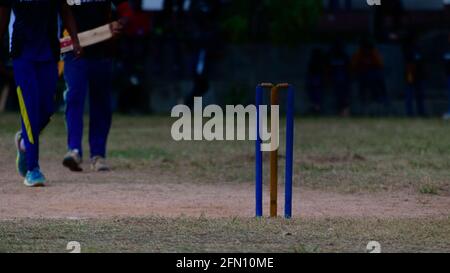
(21, 160)
(34, 178)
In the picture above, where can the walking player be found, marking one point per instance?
(91, 74)
(35, 52)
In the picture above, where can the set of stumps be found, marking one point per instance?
(274, 101)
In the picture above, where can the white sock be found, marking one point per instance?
(22, 145)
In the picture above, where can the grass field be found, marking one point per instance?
(399, 167)
(226, 235)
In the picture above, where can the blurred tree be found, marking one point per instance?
(284, 22)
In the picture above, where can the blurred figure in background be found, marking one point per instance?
(134, 45)
(389, 20)
(414, 76)
(339, 69)
(447, 56)
(315, 80)
(368, 64)
(170, 28)
(203, 28)
(335, 5)
(447, 71)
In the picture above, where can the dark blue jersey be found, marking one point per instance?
(91, 14)
(35, 29)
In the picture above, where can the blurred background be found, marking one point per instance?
(344, 57)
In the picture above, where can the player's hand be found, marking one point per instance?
(77, 50)
(117, 27)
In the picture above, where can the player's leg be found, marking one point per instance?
(28, 95)
(76, 77)
(100, 72)
(47, 73)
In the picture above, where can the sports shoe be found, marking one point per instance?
(21, 159)
(34, 178)
(72, 161)
(99, 164)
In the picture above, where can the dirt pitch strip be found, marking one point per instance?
(106, 196)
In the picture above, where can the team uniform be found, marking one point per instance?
(90, 74)
(35, 52)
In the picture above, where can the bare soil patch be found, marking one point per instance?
(128, 193)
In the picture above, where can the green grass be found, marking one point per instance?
(429, 189)
(343, 155)
(330, 154)
(150, 153)
(225, 235)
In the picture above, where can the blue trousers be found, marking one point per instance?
(88, 76)
(36, 85)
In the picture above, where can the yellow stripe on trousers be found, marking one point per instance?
(24, 113)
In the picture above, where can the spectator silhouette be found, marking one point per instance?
(315, 79)
(414, 76)
(368, 64)
(203, 28)
(339, 69)
(133, 98)
(447, 72)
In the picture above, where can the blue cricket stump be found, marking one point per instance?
(274, 154)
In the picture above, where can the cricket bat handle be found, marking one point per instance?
(87, 38)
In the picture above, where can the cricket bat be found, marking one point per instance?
(87, 38)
